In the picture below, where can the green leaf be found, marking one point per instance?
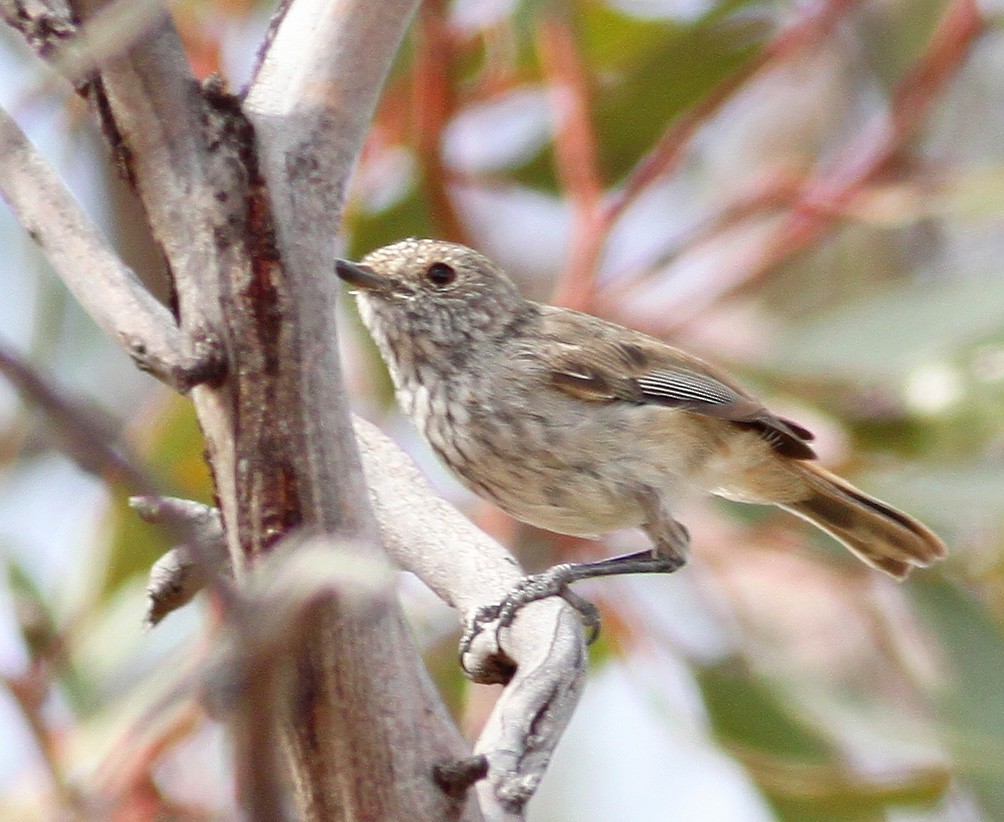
(663, 71)
(886, 335)
(799, 770)
(971, 703)
(645, 74)
(746, 711)
(44, 638)
(31, 611)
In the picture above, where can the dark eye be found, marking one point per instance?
(440, 274)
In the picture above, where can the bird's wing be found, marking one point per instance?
(606, 363)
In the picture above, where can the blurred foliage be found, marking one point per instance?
(172, 448)
(802, 773)
(888, 327)
(661, 71)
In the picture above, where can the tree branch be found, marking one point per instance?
(363, 726)
(108, 291)
(467, 569)
(310, 107)
(311, 104)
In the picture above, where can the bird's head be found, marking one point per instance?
(433, 293)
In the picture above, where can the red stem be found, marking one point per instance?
(825, 198)
(577, 161)
(575, 142)
(434, 104)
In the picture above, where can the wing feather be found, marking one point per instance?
(611, 367)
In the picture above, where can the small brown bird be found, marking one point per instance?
(581, 426)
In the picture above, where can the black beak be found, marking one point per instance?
(360, 276)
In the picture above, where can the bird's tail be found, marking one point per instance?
(880, 535)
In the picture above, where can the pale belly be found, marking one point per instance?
(568, 471)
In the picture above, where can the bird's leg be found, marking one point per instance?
(670, 541)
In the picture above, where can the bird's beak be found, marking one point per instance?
(360, 276)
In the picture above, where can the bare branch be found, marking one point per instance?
(311, 104)
(75, 50)
(85, 437)
(111, 293)
(528, 719)
(184, 153)
(425, 534)
(43, 25)
(468, 569)
(185, 570)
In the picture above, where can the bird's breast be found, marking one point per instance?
(554, 467)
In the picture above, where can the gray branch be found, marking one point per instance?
(311, 104)
(246, 218)
(310, 107)
(467, 569)
(108, 291)
(184, 570)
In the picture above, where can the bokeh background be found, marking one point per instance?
(810, 194)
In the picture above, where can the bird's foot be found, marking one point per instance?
(532, 588)
(554, 582)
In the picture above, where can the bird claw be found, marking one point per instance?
(532, 588)
(555, 582)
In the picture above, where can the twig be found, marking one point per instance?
(766, 196)
(668, 151)
(29, 692)
(86, 439)
(75, 51)
(111, 293)
(184, 570)
(824, 198)
(594, 221)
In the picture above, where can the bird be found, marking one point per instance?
(581, 426)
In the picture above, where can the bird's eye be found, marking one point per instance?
(440, 274)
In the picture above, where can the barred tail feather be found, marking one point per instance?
(878, 534)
